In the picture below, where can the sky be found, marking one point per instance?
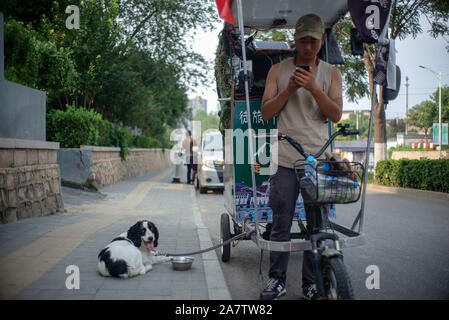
(423, 50)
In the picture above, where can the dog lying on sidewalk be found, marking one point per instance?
(131, 253)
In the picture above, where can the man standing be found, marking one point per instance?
(189, 144)
(303, 100)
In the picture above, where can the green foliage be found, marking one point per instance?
(277, 35)
(404, 22)
(74, 127)
(145, 142)
(355, 76)
(78, 126)
(432, 175)
(163, 27)
(444, 103)
(120, 137)
(224, 82)
(394, 126)
(131, 60)
(32, 61)
(423, 116)
(208, 121)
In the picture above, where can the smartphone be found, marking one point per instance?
(307, 68)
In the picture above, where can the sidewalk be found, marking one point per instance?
(36, 252)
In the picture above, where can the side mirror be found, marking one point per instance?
(356, 43)
(389, 94)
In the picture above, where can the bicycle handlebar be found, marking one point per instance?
(300, 149)
(351, 132)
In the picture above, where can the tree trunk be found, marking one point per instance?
(380, 133)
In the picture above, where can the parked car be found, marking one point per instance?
(210, 166)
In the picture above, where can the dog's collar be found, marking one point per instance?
(122, 238)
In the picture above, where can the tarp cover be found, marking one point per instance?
(260, 14)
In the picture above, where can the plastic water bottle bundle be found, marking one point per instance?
(322, 188)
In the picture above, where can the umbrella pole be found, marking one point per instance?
(360, 217)
(248, 112)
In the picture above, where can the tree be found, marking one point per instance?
(128, 61)
(422, 116)
(358, 71)
(33, 61)
(404, 22)
(444, 103)
(208, 121)
(396, 125)
(162, 27)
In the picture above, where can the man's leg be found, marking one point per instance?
(189, 168)
(308, 275)
(283, 194)
(308, 270)
(282, 200)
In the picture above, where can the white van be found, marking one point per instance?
(210, 164)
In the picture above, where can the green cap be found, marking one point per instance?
(309, 25)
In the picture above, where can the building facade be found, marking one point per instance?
(197, 104)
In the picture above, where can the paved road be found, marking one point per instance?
(36, 252)
(406, 239)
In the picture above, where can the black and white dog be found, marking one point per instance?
(131, 253)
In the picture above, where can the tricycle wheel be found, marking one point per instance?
(337, 284)
(225, 235)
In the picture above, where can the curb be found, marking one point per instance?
(409, 192)
(216, 284)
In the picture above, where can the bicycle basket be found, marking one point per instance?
(329, 182)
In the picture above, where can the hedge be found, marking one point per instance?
(78, 126)
(431, 175)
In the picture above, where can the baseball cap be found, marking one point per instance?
(309, 25)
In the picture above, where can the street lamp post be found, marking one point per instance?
(440, 76)
(406, 107)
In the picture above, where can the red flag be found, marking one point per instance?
(224, 10)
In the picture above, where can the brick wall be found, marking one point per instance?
(29, 179)
(416, 155)
(108, 168)
(29, 191)
(102, 166)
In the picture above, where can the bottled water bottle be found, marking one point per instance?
(317, 186)
(308, 182)
(310, 167)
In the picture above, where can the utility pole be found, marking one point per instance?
(440, 77)
(406, 106)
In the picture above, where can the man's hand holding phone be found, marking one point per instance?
(304, 77)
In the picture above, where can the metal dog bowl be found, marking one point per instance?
(182, 263)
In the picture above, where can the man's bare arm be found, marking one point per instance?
(331, 104)
(272, 101)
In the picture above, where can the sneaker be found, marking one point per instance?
(310, 292)
(274, 289)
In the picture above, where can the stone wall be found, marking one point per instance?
(417, 155)
(102, 166)
(29, 179)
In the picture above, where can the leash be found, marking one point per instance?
(244, 234)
